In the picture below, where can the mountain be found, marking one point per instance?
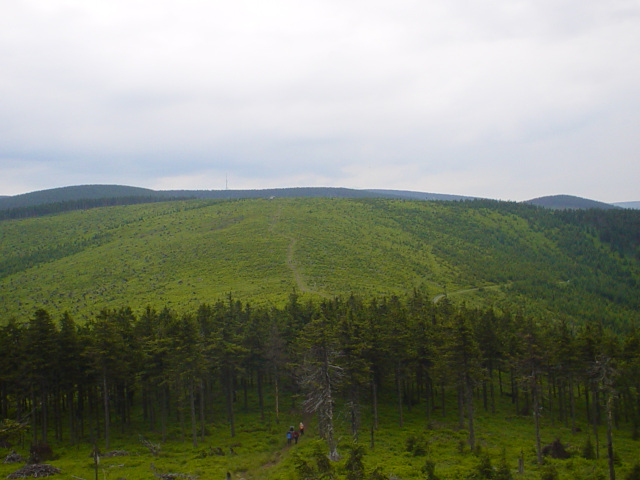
(634, 205)
(420, 195)
(554, 264)
(562, 202)
(83, 197)
(73, 193)
(96, 192)
(90, 196)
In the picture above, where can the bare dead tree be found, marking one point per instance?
(319, 377)
(604, 375)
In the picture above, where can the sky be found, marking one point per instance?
(503, 99)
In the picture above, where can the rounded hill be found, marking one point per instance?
(183, 253)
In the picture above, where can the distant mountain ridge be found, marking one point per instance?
(634, 205)
(73, 193)
(90, 196)
(96, 192)
(564, 202)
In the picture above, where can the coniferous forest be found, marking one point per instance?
(167, 376)
(430, 383)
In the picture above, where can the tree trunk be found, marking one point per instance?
(485, 395)
(328, 413)
(194, 421)
(164, 413)
(260, 396)
(461, 403)
(612, 471)
(105, 392)
(469, 398)
(572, 405)
(594, 420)
(34, 417)
(374, 399)
(427, 397)
(399, 396)
(230, 412)
(72, 416)
(44, 400)
(277, 396)
(536, 416)
(202, 415)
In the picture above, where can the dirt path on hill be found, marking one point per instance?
(437, 298)
(290, 260)
(282, 453)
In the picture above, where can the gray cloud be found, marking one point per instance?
(499, 99)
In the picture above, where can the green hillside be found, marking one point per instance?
(180, 254)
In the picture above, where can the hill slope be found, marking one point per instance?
(562, 202)
(80, 193)
(66, 194)
(634, 205)
(183, 253)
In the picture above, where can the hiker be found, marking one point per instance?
(289, 436)
(295, 437)
(301, 429)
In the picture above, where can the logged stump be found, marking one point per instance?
(556, 450)
(14, 457)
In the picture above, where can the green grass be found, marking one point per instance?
(262, 453)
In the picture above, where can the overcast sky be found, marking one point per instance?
(506, 99)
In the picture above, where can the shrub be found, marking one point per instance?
(483, 470)
(354, 465)
(503, 472)
(302, 467)
(376, 474)
(634, 473)
(588, 451)
(556, 450)
(428, 470)
(549, 472)
(417, 445)
(317, 467)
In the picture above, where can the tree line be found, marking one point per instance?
(70, 381)
(53, 208)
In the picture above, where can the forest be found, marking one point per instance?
(415, 339)
(164, 374)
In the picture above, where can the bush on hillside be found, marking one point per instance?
(634, 473)
(549, 472)
(354, 465)
(428, 470)
(588, 451)
(556, 450)
(503, 472)
(417, 445)
(483, 470)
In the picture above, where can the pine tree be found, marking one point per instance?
(462, 358)
(42, 367)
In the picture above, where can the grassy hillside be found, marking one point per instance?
(183, 253)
